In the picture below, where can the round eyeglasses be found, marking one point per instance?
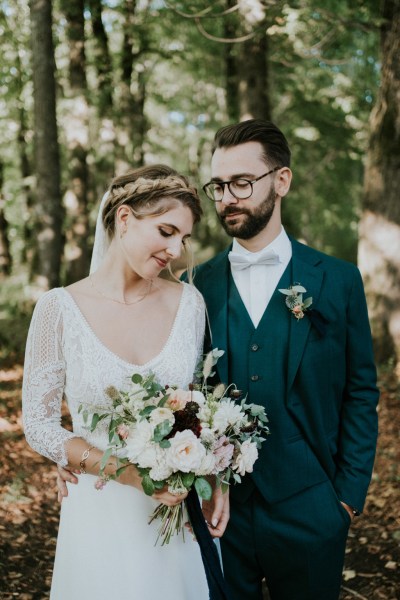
(240, 188)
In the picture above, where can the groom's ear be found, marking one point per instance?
(282, 181)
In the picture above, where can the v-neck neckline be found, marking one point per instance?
(95, 336)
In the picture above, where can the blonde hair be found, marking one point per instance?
(151, 191)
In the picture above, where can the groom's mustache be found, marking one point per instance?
(232, 210)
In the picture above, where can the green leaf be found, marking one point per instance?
(136, 378)
(164, 444)
(307, 302)
(105, 457)
(224, 487)
(159, 484)
(147, 410)
(95, 420)
(203, 488)
(237, 478)
(148, 485)
(161, 430)
(187, 480)
(120, 470)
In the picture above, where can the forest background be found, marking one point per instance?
(90, 88)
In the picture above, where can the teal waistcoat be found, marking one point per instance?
(258, 361)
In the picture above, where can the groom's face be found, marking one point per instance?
(244, 219)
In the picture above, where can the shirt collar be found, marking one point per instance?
(281, 245)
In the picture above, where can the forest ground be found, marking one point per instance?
(29, 508)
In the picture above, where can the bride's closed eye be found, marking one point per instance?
(168, 234)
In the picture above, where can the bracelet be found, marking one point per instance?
(85, 456)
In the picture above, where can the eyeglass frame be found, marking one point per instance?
(224, 183)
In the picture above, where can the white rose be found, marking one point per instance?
(159, 415)
(160, 470)
(186, 452)
(246, 458)
(198, 397)
(207, 466)
(228, 413)
(207, 436)
(148, 457)
(139, 437)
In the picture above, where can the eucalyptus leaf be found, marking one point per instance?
(161, 430)
(187, 480)
(203, 488)
(148, 485)
(95, 420)
(105, 458)
(307, 302)
(164, 444)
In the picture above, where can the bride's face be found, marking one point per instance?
(149, 244)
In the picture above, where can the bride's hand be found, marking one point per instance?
(165, 497)
(63, 476)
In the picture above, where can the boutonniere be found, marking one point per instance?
(294, 300)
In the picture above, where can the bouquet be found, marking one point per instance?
(181, 438)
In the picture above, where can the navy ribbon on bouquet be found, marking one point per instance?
(209, 552)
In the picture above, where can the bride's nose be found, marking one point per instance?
(174, 248)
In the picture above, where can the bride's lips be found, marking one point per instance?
(162, 263)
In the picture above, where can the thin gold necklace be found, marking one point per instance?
(123, 302)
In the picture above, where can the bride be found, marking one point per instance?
(122, 319)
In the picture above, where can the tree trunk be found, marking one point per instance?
(5, 254)
(48, 207)
(253, 72)
(102, 60)
(76, 198)
(133, 125)
(379, 247)
(246, 62)
(231, 68)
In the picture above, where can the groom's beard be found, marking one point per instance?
(254, 221)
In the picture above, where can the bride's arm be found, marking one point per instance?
(44, 379)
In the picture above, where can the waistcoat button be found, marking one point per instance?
(254, 377)
(255, 347)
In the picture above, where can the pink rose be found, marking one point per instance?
(178, 399)
(123, 431)
(223, 452)
(298, 311)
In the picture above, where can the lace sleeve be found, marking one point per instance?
(43, 384)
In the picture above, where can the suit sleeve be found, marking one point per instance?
(359, 422)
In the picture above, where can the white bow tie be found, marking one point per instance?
(243, 261)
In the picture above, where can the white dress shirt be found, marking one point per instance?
(257, 283)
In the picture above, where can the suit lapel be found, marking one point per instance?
(306, 273)
(216, 297)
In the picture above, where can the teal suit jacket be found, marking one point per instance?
(331, 379)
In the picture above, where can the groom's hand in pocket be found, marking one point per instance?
(63, 476)
(216, 512)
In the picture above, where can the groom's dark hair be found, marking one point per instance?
(276, 148)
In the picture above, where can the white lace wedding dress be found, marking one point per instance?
(105, 547)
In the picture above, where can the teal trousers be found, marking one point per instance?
(297, 545)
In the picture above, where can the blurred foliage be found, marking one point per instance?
(324, 75)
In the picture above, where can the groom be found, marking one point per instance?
(312, 368)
